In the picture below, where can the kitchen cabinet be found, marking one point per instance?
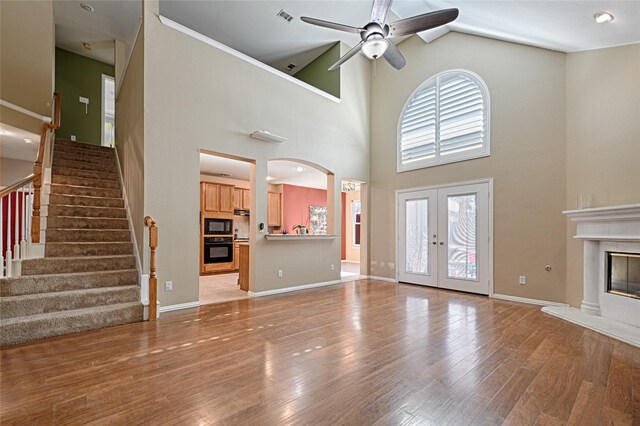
(236, 255)
(241, 199)
(216, 198)
(274, 209)
(243, 273)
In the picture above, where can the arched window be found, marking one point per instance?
(444, 120)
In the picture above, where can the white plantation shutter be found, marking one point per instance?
(445, 120)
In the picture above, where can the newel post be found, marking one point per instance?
(153, 279)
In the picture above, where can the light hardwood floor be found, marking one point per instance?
(358, 353)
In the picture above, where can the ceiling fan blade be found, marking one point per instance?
(329, 24)
(394, 57)
(423, 22)
(347, 56)
(380, 10)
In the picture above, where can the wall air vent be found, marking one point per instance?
(284, 15)
(221, 174)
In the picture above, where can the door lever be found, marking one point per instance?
(441, 243)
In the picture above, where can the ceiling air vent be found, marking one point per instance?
(291, 66)
(284, 15)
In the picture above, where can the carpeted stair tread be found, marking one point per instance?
(88, 249)
(60, 148)
(83, 158)
(81, 145)
(85, 191)
(32, 284)
(86, 211)
(42, 303)
(82, 200)
(22, 329)
(110, 167)
(61, 265)
(92, 174)
(70, 222)
(66, 235)
(84, 181)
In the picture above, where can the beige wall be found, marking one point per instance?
(27, 52)
(11, 170)
(527, 162)
(203, 98)
(603, 138)
(130, 139)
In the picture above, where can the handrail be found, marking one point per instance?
(153, 280)
(37, 171)
(19, 184)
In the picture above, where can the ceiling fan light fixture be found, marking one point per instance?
(603, 17)
(374, 47)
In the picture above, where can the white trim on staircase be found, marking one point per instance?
(179, 306)
(25, 111)
(294, 288)
(526, 300)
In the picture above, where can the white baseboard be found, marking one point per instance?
(377, 278)
(179, 306)
(526, 300)
(294, 288)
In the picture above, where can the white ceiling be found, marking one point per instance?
(111, 20)
(253, 27)
(282, 171)
(12, 144)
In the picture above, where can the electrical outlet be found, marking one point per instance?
(73, 138)
(333, 267)
(523, 280)
(392, 265)
(168, 285)
(279, 273)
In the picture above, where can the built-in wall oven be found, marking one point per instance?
(218, 249)
(218, 226)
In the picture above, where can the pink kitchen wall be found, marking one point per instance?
(296, 201)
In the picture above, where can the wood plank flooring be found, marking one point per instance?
(359, 353)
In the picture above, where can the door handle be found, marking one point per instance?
(434, 243)
(441, 243)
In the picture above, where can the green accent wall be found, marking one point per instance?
(316, 74)
(79, 76)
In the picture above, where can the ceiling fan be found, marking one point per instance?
(376, 34)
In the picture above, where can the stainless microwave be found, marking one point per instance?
(218, 226)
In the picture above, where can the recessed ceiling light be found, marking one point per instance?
(87, 7)
(299, 169)
(602, 17)
(269, 178)
(28, 140)
(87, 46)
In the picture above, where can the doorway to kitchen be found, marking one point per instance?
(444, 237)
(225, 211)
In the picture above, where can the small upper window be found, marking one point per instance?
(445, 120)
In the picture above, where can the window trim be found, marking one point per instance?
(454, 158)
(354, 223)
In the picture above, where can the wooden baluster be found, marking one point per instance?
(8, 255)
(153, 280)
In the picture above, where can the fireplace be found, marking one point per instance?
(623, 274)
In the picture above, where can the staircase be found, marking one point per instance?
(88, 277)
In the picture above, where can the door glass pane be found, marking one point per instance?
(417, 236)
(462, 249)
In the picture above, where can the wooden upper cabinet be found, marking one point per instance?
(216, 198)
(238, 198)
(226, 199)
(274, 209)
(246, 199)
(210, 197)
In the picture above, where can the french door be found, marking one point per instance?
(444, 237)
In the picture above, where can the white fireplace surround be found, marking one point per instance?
(603, 229)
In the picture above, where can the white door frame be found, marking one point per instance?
(102, 120)
(488, 181)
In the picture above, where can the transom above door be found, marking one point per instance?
(444, 239)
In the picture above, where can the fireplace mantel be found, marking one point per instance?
(605, 229)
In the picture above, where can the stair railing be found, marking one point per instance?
(22, 201)
(153, 279)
